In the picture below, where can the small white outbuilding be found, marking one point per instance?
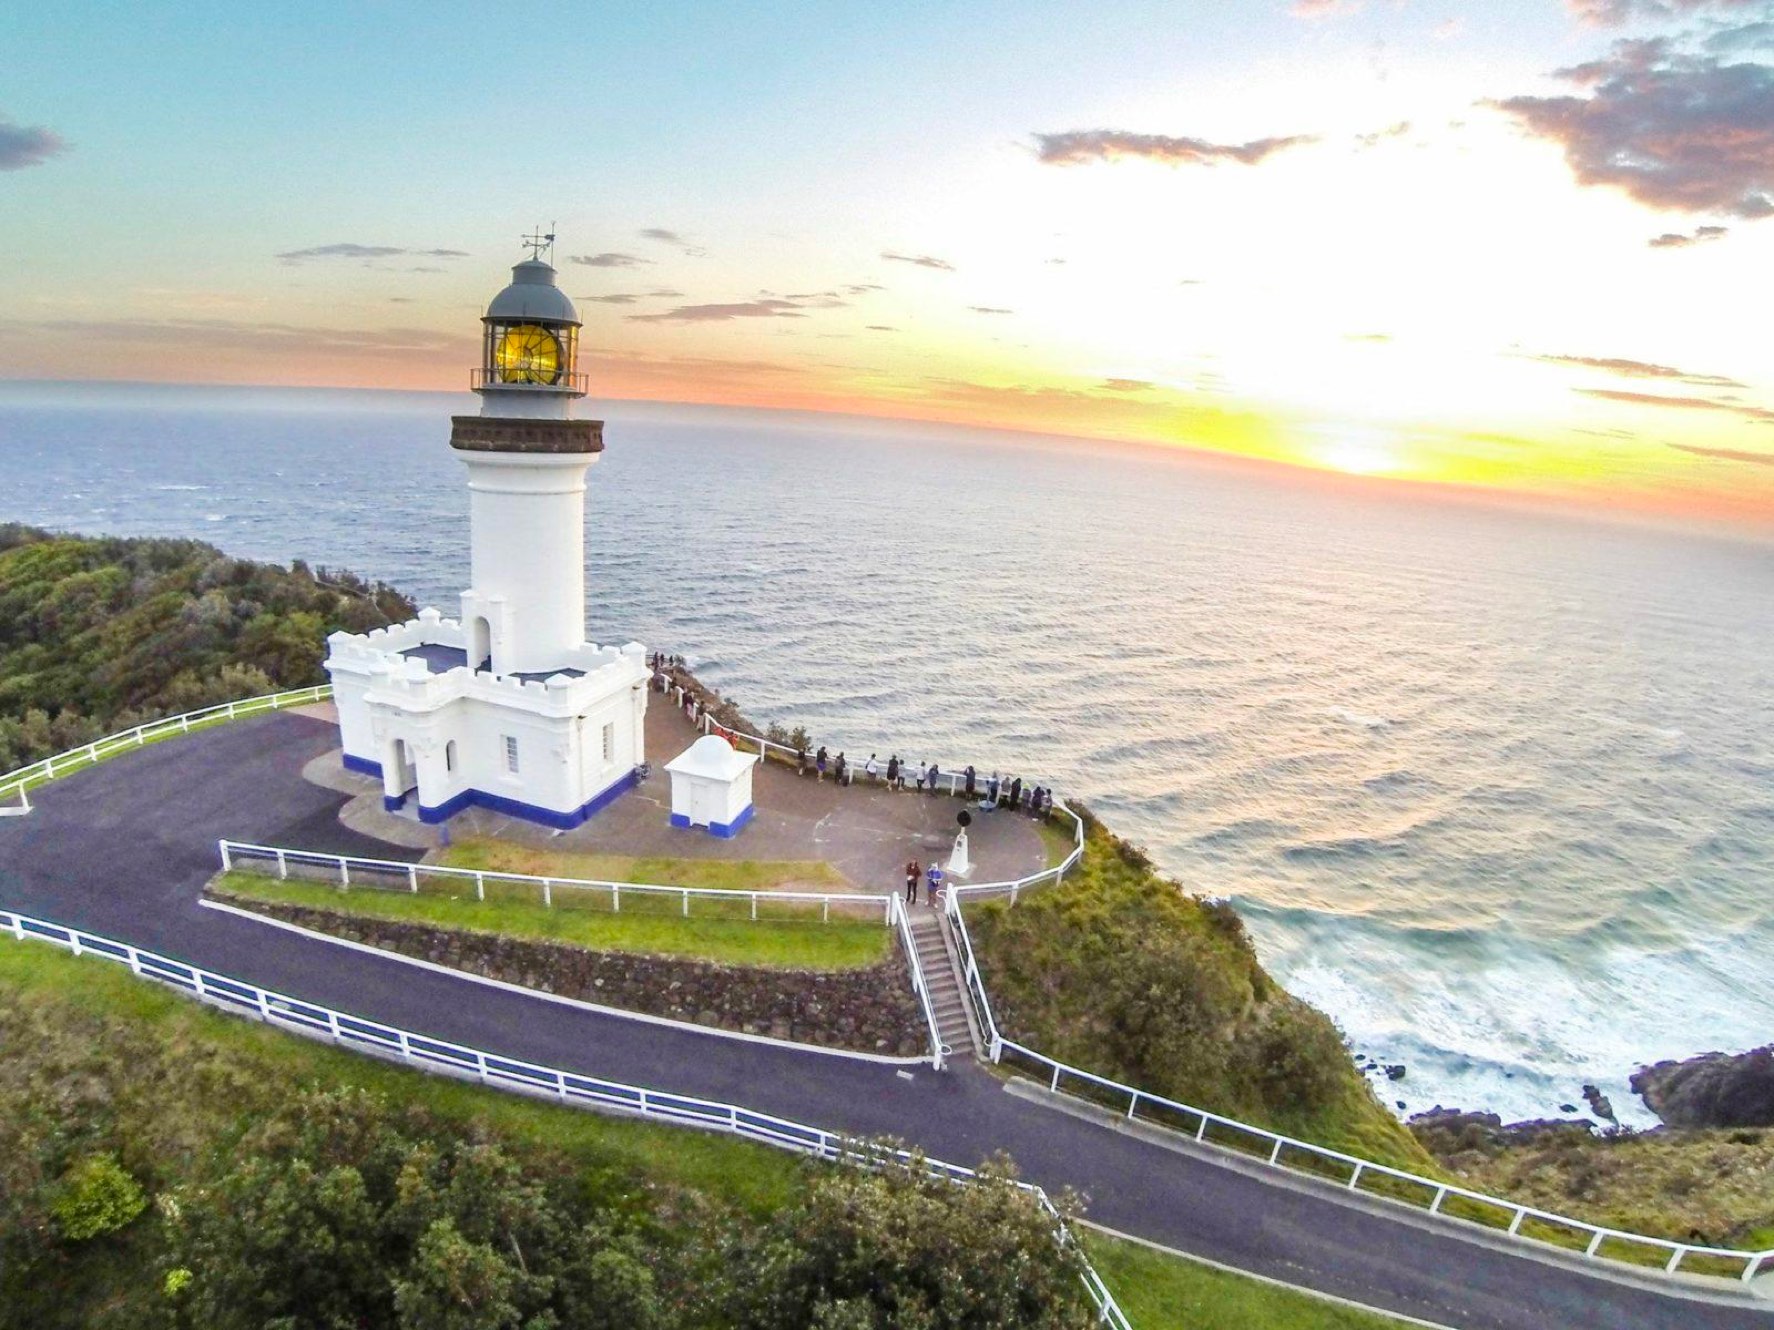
(711, 786)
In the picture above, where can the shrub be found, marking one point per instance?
(96, 1196)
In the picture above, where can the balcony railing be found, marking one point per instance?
(565, 383)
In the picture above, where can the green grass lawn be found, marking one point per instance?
(714, 874)
(798, 942)
(1159, 1291)
(205, 1075)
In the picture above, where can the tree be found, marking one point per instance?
(898, 1247)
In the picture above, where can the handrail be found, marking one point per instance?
(1437, 1193)
(46, 769)
(939, 1051)
(512, 1074)
(284, 856)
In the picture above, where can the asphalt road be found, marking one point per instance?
(123, 849)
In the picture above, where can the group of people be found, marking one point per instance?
(838, 767)
(931, 877)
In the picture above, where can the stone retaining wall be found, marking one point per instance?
(870, 1010)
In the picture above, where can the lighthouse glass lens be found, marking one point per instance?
(527, 354)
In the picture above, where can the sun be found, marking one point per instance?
(1357, 450)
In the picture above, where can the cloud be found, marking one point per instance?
(1726, 454)
(1640, 369)
(990, 309)
(1058, 263)
(749, 309)
(919, 260)
(1744, 37)
(661, 234)
(607, 260)
(1675, 131)
(1106, 145)
(862, 288)
(1379, 136)
(283, 339)
(1681, 240)
(665, 293)
(369, 253)
(1367, 337)
(614, 298)
(1613, 13)
(28, 145)
(882, 327)
(1324, 8)
(1126, 385)
(1755, 413)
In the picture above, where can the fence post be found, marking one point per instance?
(1132, 1104)
(754, 906)
(412, 879)
(1355, 1177)
(344, 872)
(227, 858)
(480, 886)
(548, 892)
(686, 903)
(1055, 1086)
(283, 867)
(615, 898)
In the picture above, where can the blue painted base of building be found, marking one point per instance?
(547, 817)
(725, 830)
(498, 803)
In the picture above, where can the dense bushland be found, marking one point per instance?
(98, 634)
(162, 1165)
(1120, 971)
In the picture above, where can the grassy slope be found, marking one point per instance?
(1670, 1184)
(801, 943)
(716, 874)
(1119, 971)
(170, 1084)
(1159, 1291)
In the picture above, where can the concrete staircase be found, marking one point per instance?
(946, 997)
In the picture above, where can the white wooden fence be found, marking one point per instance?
(442, 1057)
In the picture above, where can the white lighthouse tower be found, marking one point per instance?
(508, 707)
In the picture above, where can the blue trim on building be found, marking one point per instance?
(390, 802)
(725, 830)
(548, 817)
(728, 830)
(363, 765)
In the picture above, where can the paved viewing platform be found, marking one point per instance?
(863, 830)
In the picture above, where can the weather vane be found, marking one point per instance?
(540, 242)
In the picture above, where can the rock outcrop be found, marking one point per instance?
(1712, 1090)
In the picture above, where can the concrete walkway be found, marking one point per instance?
(865, 831)
(123, 849)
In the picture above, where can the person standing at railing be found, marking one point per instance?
(819, 762)
(893, 772)
(872, 770)
(840, 770)
(923, 774)
(933, 884)
(801, 761)
(972, 777)
(935, 776)
(992, 791)
(1016, 794)
(912, 873)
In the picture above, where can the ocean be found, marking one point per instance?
(1495, 788)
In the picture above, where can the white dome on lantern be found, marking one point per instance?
(533, 295)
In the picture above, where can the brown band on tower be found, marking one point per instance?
(492, 434)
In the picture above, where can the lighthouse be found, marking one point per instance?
(507, 707)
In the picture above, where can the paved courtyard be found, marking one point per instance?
(865, 831)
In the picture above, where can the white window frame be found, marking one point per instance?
(511, 760)
(609, 742)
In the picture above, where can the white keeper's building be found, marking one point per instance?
(507, 707)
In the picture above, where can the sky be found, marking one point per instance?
(1520, 245)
